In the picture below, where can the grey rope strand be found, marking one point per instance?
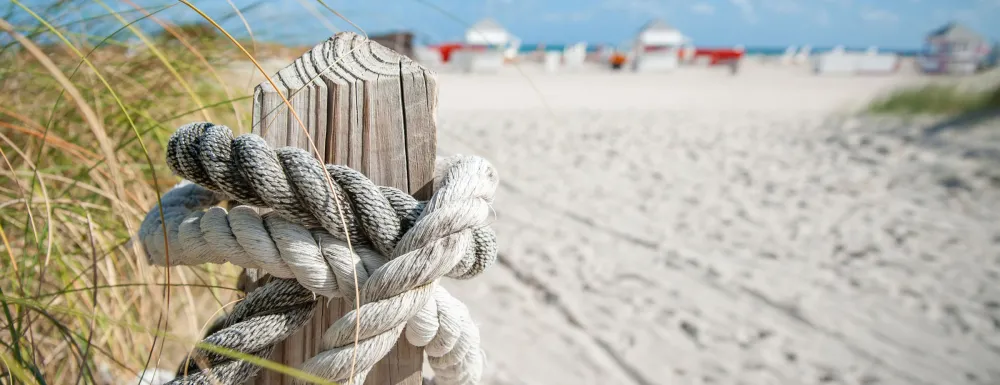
(291, 182)
(285, 250)
(258, 323)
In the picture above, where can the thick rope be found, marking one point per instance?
(257, 324)
(320, 262)
(447, 235)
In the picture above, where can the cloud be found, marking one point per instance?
(783, 6)
(876, 15)
(747, 9)
(703, 8)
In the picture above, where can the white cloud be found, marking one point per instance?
(703, 8)
(876, 15)
(783, 6)
(747, 9)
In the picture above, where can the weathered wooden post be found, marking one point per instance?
(372, 109)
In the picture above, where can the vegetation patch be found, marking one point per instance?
(936, 100)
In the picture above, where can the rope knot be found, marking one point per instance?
(330, 224)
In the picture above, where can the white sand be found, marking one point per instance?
(758, 87)
(697, 228)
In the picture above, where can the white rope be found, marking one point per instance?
(449, 236)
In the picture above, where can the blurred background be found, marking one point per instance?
(692, 192)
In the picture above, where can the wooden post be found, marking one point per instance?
(372, 109)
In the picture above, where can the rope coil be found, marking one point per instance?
(400, 246)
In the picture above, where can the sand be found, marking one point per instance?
(700, 228)
(696, 228)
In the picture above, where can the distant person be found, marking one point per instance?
(734, 66)
(617, 60)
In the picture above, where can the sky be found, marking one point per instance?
(900, 24)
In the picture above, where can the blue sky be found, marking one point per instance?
(886, 23)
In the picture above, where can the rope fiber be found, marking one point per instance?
(399, 248)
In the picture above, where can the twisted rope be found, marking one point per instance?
(287, 250)
(257, 324)
(404, 245)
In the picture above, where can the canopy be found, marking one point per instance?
(658, 32)
(487, 32)
(957, 33)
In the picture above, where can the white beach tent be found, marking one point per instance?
(841, 62)
(667, 41)
(658, 33)
(803, 55)
(487, 32)
(574, 55)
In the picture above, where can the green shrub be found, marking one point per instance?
(936, 100)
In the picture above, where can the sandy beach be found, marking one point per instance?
(698, 228)
(701, 228)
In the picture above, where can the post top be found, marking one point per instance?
(345, 57)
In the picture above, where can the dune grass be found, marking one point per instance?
(87, 104)
(936, 99)
(83, 123)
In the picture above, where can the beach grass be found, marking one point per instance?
(84, 119)
(936, 99)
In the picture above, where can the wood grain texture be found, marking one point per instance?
(372, 109)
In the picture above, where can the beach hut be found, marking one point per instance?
(842, 62)
(789, 56)
(954, 49)
(552, 60)
(487, 32)
(574, 55)
(803, 55)
(657, 47)
(483, 51)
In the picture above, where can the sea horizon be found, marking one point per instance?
(763, 50)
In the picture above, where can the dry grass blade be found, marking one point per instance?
(93, 321)
(78, 109)
(315, 151)
(10, 251)
(159, 55)
(343, 223)
(27, 209)
(81, 251)
(105, 144)
(88, 113)
(201, 58)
